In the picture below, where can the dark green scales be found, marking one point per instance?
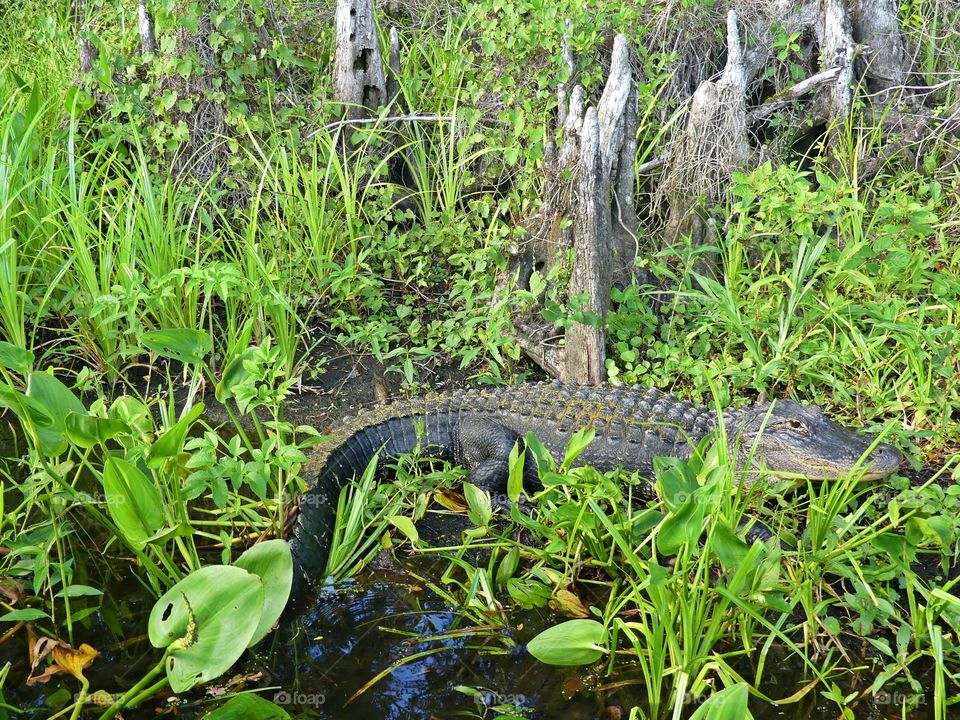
(479, 428)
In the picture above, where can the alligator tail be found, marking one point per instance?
(316, 515)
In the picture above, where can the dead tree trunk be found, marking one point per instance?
(593, 256)
(712, 146)
(886, 62)
(838, 52)
(88, 52)
(598, 150)
(358, 79)
(148, 41)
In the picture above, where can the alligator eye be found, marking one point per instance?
(797, 425)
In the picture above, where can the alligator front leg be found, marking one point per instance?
(484, 446)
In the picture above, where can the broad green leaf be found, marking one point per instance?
(575, 642)
(272, 562)
(683, 526)
(577, 444)
(86, 431)
(406, 526)
(34, 415)
(676, 480)
(78, 591)
(170, 443)
(728, 704)
(77, 101)
(208, 618)
(234, 375)
(545, 461)
(529, 593)
(24, 615)
(508, 566)
(133, 412)
(132, 500)
(57, 401)
(729, 548)
(55, 397)
(15, 358)
(249, 707)
(515, 475)
(188, 346)
(478, 501)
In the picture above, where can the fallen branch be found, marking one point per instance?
(388, 119)
(792, 94)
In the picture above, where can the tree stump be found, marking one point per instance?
(597, 153)
(358, 79)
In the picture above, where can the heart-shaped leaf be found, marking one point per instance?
(209, 618)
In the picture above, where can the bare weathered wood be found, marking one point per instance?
(393, 71)
(358, 79)
(617, 116)
(567, 53)
(589, 180)
(792, 94)
(591, 276)
(148, 41)
(876, 27)
(837, 51)
(88, 51)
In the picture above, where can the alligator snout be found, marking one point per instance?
(883, 461)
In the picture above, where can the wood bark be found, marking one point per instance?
(148, 41)
(393, 70)
(837, 51)
(591, 276)
(358, 78)
(876, 26)
(88, 52)
(617, 117)
(590, 180)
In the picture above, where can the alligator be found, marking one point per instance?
(478, 429)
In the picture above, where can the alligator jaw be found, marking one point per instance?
(884, 460)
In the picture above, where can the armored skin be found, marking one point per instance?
(478, 429)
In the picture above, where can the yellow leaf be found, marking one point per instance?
(74, 660)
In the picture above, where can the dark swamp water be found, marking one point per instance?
(358, 629)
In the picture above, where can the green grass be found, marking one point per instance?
(827, 288)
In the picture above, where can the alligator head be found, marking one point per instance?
(795, 439)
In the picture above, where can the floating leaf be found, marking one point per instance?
(575, 642)
(272, 562)
(209, 618)
(248, 707)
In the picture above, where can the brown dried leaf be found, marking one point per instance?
(569, 604)
(450, 500)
